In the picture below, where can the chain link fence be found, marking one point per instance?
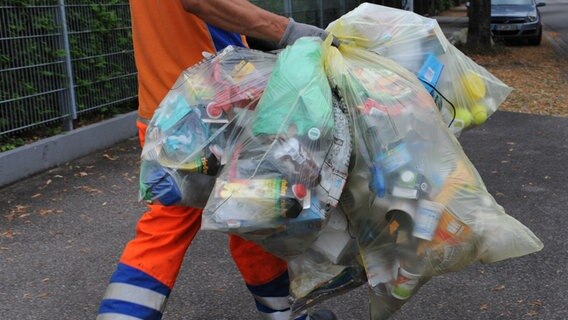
(62, 59)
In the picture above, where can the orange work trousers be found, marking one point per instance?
(164, 234)
(150, 263)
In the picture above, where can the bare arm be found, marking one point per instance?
(239, 16)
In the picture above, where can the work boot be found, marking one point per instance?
(321, 315)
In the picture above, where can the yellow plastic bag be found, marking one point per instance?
(416, 204)
(466, 93)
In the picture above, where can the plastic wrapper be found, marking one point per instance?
(314, 279)
(187, 135)
(466, 93)
(289, 160)
(416, 204)
(328, 268)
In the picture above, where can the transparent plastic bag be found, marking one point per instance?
(415, 203)
(288, 161)
(187, 135)
(328, 268)
(466, 93)
(314, 279)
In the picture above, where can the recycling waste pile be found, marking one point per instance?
(345, 161)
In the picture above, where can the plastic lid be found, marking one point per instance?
(407, 176)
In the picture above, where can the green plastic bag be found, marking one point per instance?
(297, 97)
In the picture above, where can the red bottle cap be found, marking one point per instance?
(299, 190)
(214, 110)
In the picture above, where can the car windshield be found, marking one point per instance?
(512, 2)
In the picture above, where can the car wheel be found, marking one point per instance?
(535, 41)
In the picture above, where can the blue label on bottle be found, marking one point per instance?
(394, 158)
(171, 112)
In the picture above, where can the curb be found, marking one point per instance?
(48, 153)
(452, 21)
(451, 25)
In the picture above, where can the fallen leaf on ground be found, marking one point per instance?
(8, 234)
(44, 212)
(537, 74)
(535, 303)
(110, 157)
(532, 313)
(498, 288)
(89, 189)
(17, 212)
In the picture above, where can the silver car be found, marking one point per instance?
(517, 19)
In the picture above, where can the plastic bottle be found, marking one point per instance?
(405, 284)
(174, 187)
(427, 218)
(410, 264)
(247, 202)
(157, 184)
(292, 237)
(208, 165)
(294, 161)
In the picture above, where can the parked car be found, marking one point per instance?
(517, 19)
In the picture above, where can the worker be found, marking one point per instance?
(169, 36)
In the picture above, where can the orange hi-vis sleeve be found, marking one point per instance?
(166, 41)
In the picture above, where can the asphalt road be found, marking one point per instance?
(554, 17)
(62, 231)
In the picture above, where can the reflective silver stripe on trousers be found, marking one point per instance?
(143, 120)
(130, 293)
(284, 315)
(274, 303)
(115, 316)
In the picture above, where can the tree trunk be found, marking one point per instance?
(479, 27)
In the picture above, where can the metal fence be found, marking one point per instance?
(61, 59)
(318, 12)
